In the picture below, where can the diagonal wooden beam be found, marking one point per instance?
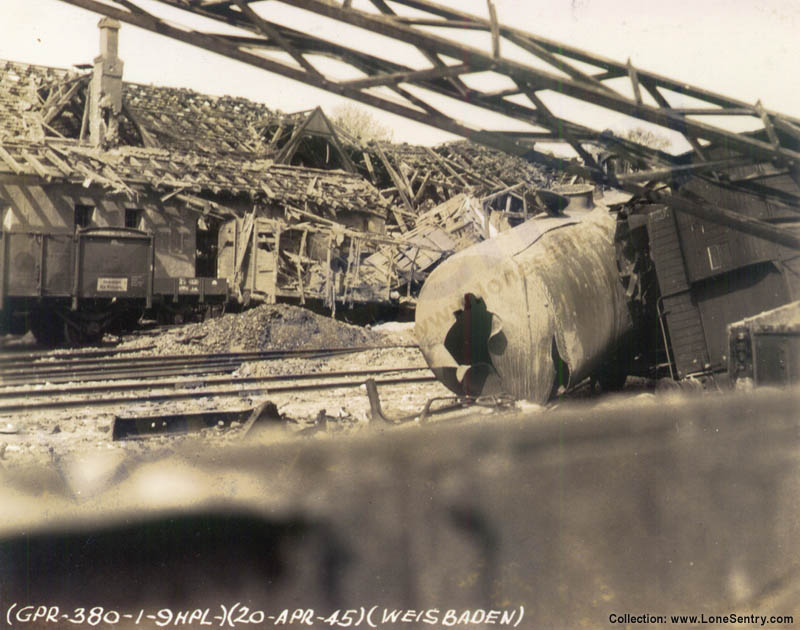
(132, 7)
(460, 24)
(407, 77)
(429, 55)
(6, 157)
(540, 51)
(383, 7)
(672, 171)
(494, 29)
(417, 101)
(274, 34)
(773, 137)
(662, 102)
(786, 127)
(634, 76)
(550, 121)
(57, 107)
(713, 111)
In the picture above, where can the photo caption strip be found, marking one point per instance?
(240, 615)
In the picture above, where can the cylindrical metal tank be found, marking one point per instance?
(535, 308)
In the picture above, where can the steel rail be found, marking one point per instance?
(7, 358)
(183, 359)
(238, 393)
(194, 383)
(118, 376)
(45, 370)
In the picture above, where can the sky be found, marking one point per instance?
(740, 48)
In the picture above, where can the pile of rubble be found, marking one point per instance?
(266, 327)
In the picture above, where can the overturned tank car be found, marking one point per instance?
(643, 289)
(537, 308)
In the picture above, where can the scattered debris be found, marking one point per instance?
(265, 414)
(126, 428)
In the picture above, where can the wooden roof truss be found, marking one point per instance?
(450, 62)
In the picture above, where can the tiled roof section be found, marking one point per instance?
(22, 91)
(419, 176)
(193, 143)
(176, 118)
(122, 169)
(494, 165)
(186, 120)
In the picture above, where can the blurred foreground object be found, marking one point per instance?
(656, 504)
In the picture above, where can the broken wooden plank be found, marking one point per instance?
(773, 137)
(447, 167)
(370, 169)
(300, 266)
(241, 252)
(62, 166)
(63, 100)
(421, 189)
(8, 159)
(505, 191)
(400, 185)
(634, 76)
(495, 29)
(40, 169)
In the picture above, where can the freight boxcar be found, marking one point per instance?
(74, 286)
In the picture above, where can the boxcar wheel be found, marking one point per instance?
(81, 333)
(48, 328)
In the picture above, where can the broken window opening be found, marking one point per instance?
(468, 343)
(207, 249)
(315, 152)
(84, 215)
(133, 218)
(561, 369)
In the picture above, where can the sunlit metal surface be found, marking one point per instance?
(536, 308)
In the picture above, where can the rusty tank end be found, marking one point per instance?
(538, 307)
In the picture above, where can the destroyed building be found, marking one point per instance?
(242, 202)
(89, 150)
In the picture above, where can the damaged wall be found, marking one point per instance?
(40, 207)
(37, 207)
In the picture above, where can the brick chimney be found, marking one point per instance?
(105, 96)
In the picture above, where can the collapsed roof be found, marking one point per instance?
(178, 141)
(175, 141)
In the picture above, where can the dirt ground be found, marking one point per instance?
(57, 436)
(65, 436)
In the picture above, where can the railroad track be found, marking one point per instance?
(10, 357)
(191, 389)
(80, 368)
